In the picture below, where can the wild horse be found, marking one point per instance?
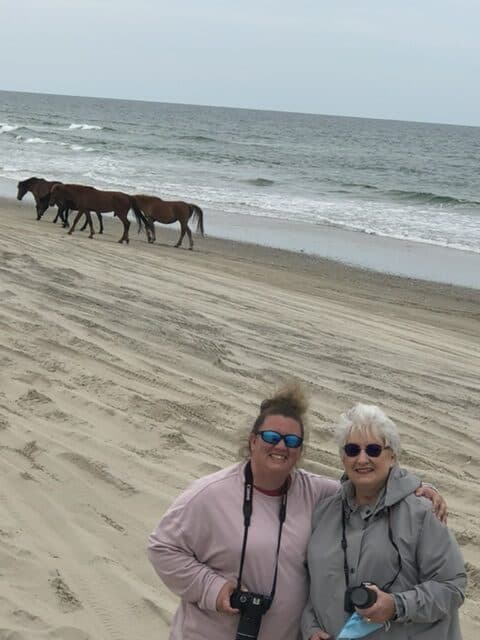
(85, 199)
(158, 210)
(40, 190)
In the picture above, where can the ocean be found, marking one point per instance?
(414, 181)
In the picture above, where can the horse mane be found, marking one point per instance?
(29, 181)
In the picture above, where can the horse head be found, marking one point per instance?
(23, 186)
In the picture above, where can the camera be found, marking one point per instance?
(252, 606)
(361, 597)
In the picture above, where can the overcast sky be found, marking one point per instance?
(401, 59)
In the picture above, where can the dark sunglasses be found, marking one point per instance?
(372, 450)
(273, 437)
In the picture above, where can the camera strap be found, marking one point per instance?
(247, 514)
(346, 570)
(344, 547)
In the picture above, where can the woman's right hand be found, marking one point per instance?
(223, 598)
(320, 635)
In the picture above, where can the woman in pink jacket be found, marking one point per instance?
(245, 528)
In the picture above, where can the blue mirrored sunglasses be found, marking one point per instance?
(372, 450)
(291, 440)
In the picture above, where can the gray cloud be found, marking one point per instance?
(409, 60)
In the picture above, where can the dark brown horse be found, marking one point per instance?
(40, 190)
(86, 199)
(158, 210)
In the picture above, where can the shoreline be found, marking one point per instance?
(293, 270)
(382, 254)
(392, 256)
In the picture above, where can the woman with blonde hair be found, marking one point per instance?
(377, 550)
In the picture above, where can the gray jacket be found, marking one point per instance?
(431, 584)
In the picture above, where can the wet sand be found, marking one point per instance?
(368, 251)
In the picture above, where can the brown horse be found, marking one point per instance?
(86, 199)
(40, 190)
(158, 210)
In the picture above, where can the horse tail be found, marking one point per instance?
(141, 219)
(197, 213)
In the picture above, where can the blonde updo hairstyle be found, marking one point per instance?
(289, 401)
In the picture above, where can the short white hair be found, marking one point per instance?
(367, 419)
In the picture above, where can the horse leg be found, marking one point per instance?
(90, 224)
(42, 206)
(63, 212)
(77, 218)
(189, 233)
(59, 215)
(100, 220)
(151, 230)
(84, 224)
(183, 229)
(126, 226)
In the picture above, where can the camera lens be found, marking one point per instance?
(363, 597)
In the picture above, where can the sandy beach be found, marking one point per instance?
(128, 371)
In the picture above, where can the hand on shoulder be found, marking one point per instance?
(439, 505)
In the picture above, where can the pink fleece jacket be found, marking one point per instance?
(196, 548)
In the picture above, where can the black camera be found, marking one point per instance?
(361, 597)
(252, 606)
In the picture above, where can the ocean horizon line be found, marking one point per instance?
(243, 108)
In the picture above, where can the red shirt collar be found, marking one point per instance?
(276, 492)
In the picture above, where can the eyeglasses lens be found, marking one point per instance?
(291, 440)
(372, 450)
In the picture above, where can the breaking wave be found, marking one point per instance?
(84, 127)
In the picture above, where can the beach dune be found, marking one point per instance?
(128, 371)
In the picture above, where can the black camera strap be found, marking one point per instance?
(247, 514)
(387, 586)
(346, 570)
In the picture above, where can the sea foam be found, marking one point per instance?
(5, 128)
(36, 141)
(84, 126)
